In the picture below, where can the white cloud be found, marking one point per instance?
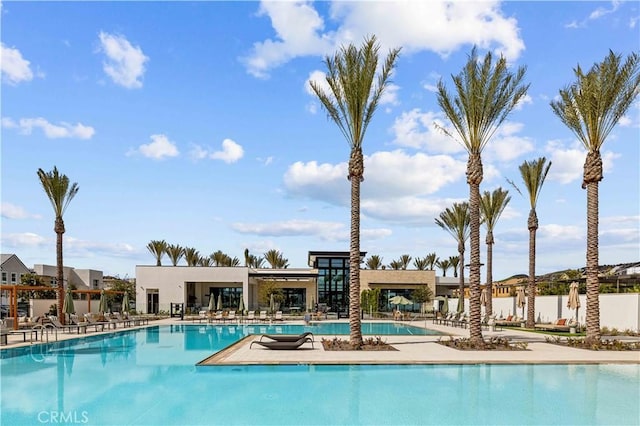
(395, 188)
(525, 100)
(51, 131)
(25, 239)
(11, 211)
(159, 148)
(417, 129)
(230, 152)
(568, 162)
(506, 145)
(300, 30)
(326, 231)
(390, 95)
(15, 69)
(297, 26)
(597, 13)
(82, 248)
(125, 64)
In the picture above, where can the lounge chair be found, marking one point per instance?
(284, 345)
(288, 337)
(218, 317)
(263, 316)
(278, 316)
(251, 316)
(561, 324)
(231, 316)
(68, 327)
(91, 321)
(510, 321)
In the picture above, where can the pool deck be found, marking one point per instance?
(409, 350)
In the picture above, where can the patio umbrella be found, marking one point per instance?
(212, 306)
(272, 304)
(520, 299)
(125, 303)
(241, 306)
(67, 306)
(219, 305)
(483, 297)
(574, 299)
(102, 306)
(400, 300)
(445, 306)
(460, 307)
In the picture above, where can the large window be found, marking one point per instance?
(333, 283)
(230, 296)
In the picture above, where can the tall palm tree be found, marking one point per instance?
(247, 257)
(444, 264)
(485, 95)
(191, 256)
(455, 263)
(175, 253)
(431, 260)
(205, 261)
(590, 108)
(533, 175)
(492, 204)
(455, 220)
(256, 262)
(351, 102)
(374, 262)
(60, 193)
(158, 248)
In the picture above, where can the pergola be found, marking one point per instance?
(13, 297)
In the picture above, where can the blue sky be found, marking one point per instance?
(194, 123)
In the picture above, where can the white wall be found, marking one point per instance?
(170, 282)
(621, 311)
(41, 306)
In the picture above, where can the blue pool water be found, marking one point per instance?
(149, 377)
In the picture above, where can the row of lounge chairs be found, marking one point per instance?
(231, 316)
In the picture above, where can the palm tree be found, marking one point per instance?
(590, 108)
(351, 103)
(455, 221)
(492, 204)
(191, 256)
(533, 175)
(431, 260)
(374, 262)
(205, 261)
(486, 94)
(158, 248)
(444, 265)
(420, 263)
(455, 262)
(276, 259)
(256, 262)
(60, 194)
(404, 260)
(218, 258)
(396, 265)
(175, 253)
(247, 257)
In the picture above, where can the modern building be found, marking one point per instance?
(324, 283)
(81, 279)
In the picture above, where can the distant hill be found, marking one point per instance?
(568, 274)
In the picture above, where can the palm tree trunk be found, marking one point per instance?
(461, 275)
(489, 305)
(532, 224)
(593, 284)
(474, 178)
(356, 172)
(59, 229)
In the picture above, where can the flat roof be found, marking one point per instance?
(314, 255)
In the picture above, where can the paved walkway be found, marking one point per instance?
(409, 350)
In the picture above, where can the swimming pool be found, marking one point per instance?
(149, 377)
